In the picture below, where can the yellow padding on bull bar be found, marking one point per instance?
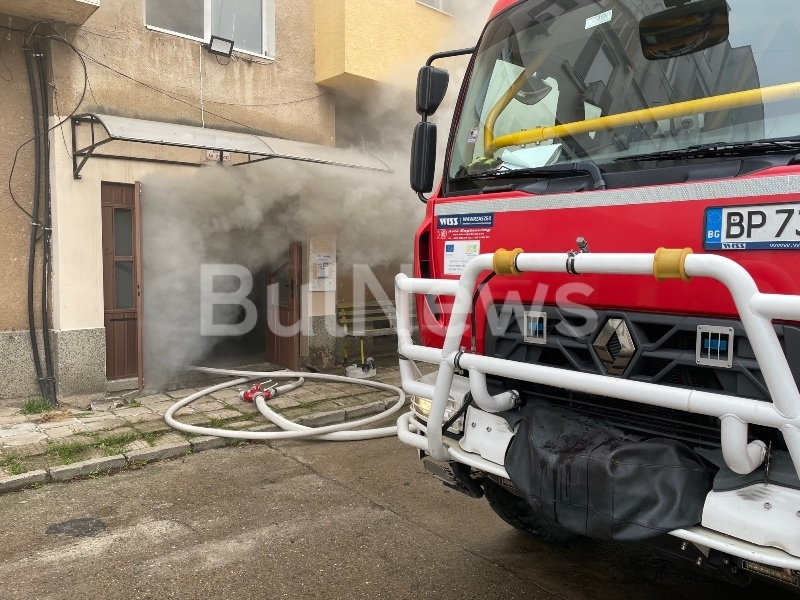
(505, 261)
(671, 264)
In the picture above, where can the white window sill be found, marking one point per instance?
(244, 54)
(438, 10)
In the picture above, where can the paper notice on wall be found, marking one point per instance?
(323, 264)
(457, 254)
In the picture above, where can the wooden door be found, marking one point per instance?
(283, 307)
(122, 290)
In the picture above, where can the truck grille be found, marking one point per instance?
(666, 354)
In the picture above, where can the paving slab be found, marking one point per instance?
(225, 394)
(95, 418)
(194, 418)
(172, 438)
(226, 413)
(16, 428)
(58, 433)
(155, 399)
(132, 412)
(178, 394)
(151, 426)
(23, 438)
(136, 445)
(283, 402)
(105, 424)
(26, 450)
(10, 419)
(136, 419)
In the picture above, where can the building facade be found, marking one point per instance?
(141, 100)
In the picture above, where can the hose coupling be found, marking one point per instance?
(263, 389)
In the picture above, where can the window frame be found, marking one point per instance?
(267, 29)
(433, 6)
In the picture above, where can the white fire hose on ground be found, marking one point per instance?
(341, 432)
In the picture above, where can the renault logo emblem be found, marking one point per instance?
(615, 346)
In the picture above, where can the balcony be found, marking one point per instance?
(74, 12)
(359, 43)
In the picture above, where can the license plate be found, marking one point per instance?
(753, 227)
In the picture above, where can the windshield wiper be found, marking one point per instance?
(560, 170)
(721, 149)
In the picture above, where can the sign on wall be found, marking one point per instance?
(322, 263)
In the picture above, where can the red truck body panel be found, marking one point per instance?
(637, 227)
(501, 6)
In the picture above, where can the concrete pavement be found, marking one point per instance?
(60, 445)
(304, 520)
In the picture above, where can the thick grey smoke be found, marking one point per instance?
(250, 215)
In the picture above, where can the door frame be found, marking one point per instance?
(137, 309)
(294, 262)
(137, 241)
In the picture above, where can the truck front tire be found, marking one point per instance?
(516, 511)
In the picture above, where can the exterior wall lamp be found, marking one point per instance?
(220, 46)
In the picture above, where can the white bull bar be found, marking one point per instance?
(756, 311)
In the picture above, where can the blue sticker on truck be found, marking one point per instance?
(753, 227)
(483, 220)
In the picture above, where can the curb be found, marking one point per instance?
(106, 464)
(86, 467)
(17, 482)
(158, 453)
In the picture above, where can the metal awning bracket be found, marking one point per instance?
(85, 153)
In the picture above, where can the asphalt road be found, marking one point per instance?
(304, 520)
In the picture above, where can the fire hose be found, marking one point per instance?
(260, 393)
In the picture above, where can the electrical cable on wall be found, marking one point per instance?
(37, 179)
(47, 232)
(59, 38)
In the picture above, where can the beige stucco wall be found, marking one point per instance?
(359, 40)
(78, 234)
(16, 126)
(249, 94)
(279, 98)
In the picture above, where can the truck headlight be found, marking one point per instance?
(422, 409)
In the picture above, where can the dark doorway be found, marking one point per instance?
(283, 310)
(122, 290)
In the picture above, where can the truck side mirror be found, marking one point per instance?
(423, 157)
(684, 28)
(431, 88)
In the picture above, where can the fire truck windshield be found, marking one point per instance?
(559, 82)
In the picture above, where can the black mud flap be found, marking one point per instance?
(594, 480)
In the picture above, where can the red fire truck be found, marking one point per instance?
(607, 278)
